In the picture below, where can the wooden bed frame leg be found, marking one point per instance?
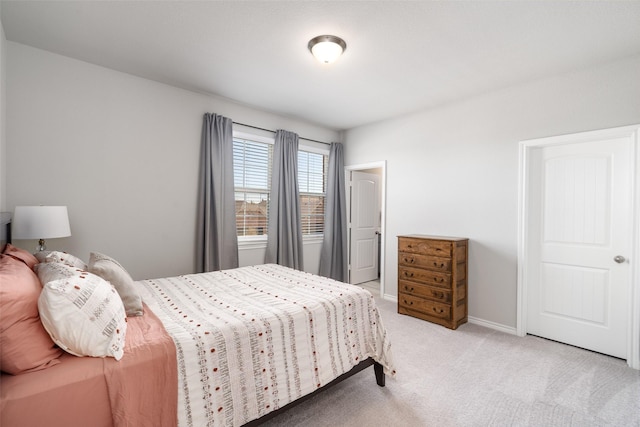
(377, 368)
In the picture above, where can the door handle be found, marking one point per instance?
(619, 259)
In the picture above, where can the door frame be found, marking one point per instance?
(525, 149)
(382, 165)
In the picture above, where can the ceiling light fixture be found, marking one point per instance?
(327, 49)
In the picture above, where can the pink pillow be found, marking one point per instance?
(25, 345)
(25, 256)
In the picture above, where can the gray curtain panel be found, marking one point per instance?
(217, 238)
(333, 255)
(284, 231)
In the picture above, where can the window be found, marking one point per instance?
(312, 183)
(251, 173)
(252, 162)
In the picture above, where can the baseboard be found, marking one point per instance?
(492, 325)
(476, 321)
(391, 298)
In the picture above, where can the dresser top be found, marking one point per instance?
(425, 236)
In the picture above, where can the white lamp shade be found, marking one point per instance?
(40, 222)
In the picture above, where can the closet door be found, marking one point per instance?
(365, 226)
(579, 243)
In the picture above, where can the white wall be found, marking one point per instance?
(3, 105)
(454, 170)
(121, 152)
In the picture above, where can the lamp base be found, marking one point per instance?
(41, 246)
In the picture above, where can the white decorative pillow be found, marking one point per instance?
(50, 271)
(42, 255)
(65, 258)
(84, 315)
(111, 270)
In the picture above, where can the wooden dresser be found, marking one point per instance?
(432, 278)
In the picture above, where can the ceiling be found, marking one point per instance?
(401, 57)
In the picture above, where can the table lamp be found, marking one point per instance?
(40, 222)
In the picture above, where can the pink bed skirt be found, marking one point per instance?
(139, 390)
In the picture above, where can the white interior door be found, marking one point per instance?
(579, 243)
(365, 227)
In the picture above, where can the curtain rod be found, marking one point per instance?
(273, 131)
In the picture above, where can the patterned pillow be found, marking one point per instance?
(84, 315)
(42, 255)
(111, 270)
(50, 271)
(65, 258)
(24, 344)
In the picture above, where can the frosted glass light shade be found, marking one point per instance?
(327, 49)
(40, 222)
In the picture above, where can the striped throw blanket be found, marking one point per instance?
(252, 339)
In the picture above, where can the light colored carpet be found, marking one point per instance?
(476, 376)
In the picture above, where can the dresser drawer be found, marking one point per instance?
(425, 291)
(426, 247)
(424, 261)
(432, 308)
(433, 278)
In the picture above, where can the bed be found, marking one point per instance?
(231, 348)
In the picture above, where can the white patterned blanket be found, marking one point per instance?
(252, 339)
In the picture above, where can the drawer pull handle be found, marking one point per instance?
(408, 302)
(438, 280)
(439, 295)
(406, 288)
(438, 310)
(408, 274)
(409, 260)
(435, 264)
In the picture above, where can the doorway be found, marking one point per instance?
(366, 222)
(578, 239)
